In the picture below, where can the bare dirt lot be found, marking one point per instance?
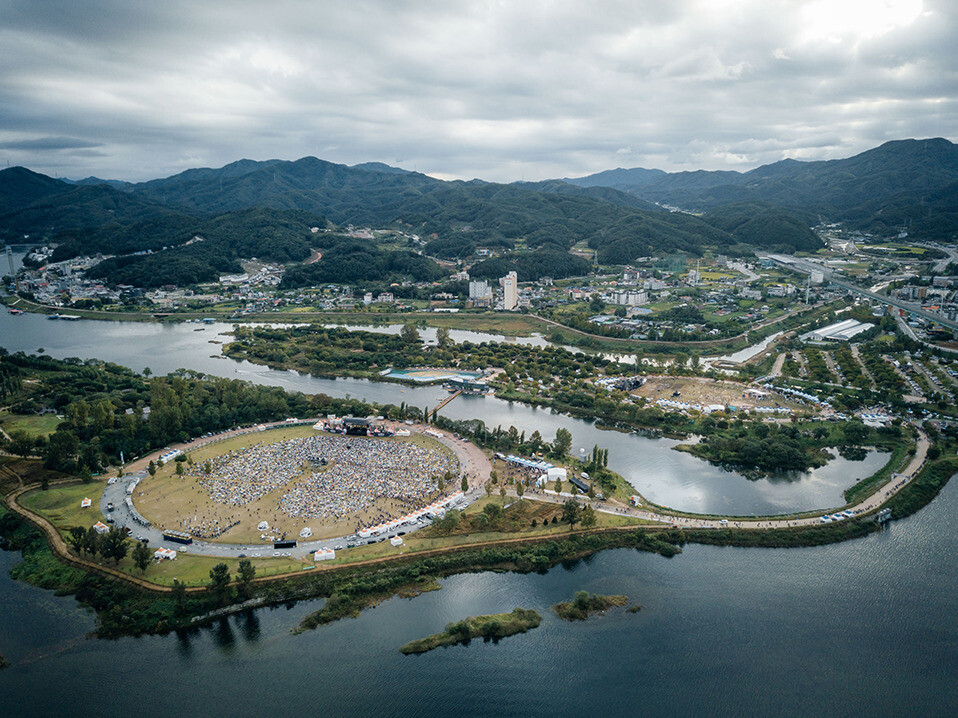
(704, 391)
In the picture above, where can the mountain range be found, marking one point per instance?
(910, 184)
(269, 209)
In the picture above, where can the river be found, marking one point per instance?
(664, 476)
(863, 627)
(860, 628)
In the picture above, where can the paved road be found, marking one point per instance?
(475, 466)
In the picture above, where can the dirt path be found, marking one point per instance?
(779, 363)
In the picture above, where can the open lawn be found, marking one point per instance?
(32, 424)
(175, 502)
(61, 505)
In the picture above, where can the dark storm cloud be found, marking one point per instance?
(42, 144)
(496, 90)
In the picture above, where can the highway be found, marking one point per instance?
(806, 267)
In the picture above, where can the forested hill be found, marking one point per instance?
(455, 217)
(911, 183)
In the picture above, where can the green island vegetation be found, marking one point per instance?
(584, 604)
(759, 447)
(490, 628)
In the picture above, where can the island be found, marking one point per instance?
(584, 604)
(493, 626)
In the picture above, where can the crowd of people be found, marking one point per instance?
(343, 475)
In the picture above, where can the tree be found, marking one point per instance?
(520, 489)
(591, 491)
(61, 450)
(141, 556)
(76, 538)
(488, 488)
(442, 337)
(179, 596)
(464, 484)
(114, 545)
(558, 486)
(219, 581)
(571, 512)
(502, 492)
(409, 333)
(246, 572)
(85, 476)
(151, 469)
(20, 443)
(91, 542)
(588, 516)
(562, 443)
(179, 468)
(855, 432)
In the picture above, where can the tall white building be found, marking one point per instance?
(480, 289)
(510, 291)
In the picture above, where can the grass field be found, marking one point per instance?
(32, 424)
(61, 505)
(172, 501)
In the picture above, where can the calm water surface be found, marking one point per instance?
(861, 628)
(664, 476)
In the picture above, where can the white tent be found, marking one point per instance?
(86, 503)
(396, 540)
(556, 473)
(262, 526)
(101, 528)
(306, 532)
(324, 554)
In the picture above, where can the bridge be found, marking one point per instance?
(449, 398)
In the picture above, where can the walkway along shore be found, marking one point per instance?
(666, 522)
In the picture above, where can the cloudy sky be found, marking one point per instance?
(528, 89)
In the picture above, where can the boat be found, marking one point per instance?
(14, 311)
(53, 316)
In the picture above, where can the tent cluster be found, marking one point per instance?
(166, 553)
(324, 554)
(435, 509)
(798, 394)
(170, 454)
(528, 463)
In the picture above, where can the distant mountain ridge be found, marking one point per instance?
(910, 183)
(267, 207)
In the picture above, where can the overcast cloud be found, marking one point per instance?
(528, 89)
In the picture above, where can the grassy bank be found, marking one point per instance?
(125, 609)
(491, 627)
(867, 486)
